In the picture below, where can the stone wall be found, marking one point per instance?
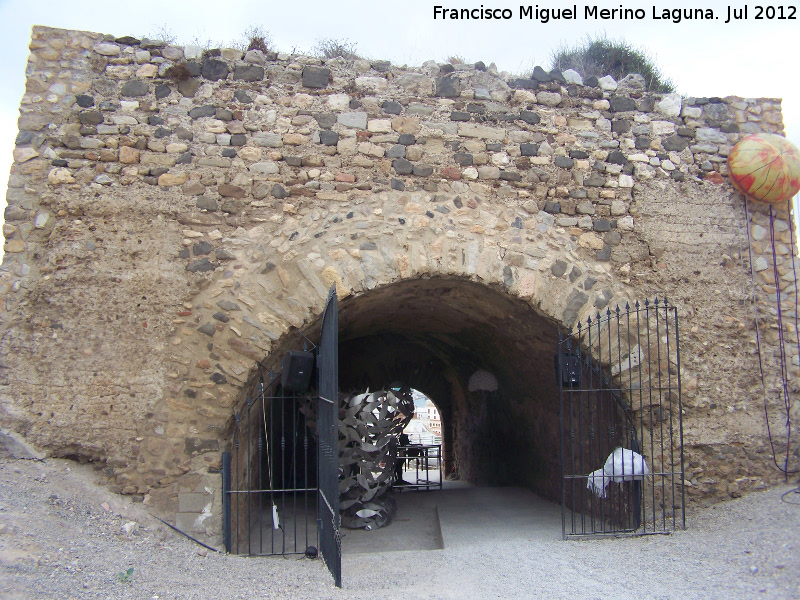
(174, 214)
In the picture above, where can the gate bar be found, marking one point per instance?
(226, 501)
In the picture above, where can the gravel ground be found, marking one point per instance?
(62, 536)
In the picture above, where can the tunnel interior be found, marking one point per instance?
(433, 335)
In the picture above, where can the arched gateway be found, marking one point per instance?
(177, 218)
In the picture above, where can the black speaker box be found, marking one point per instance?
(571, 370)
(296, 370)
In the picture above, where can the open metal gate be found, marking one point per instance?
(328, 448)
(269, 474)
(280, 473)
(621, 424)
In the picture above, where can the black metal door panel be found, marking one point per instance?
(328, 448)
(621, 423)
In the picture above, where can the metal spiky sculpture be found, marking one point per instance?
(369, 427)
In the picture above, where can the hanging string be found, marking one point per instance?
(781, 340)
(781, 344)
(758, 339)
(794, 249)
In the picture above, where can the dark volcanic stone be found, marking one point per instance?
(523, 84)
(161, 132)
(553, 208)
(621, 126)
(642, 142)
(402, 166)
(135, 88)
(556, 75)
(539, 74)
(622, 104)
(203, 111)
(316, 77)
(278, 191)
(325, 120)
(458, 115)
(510, 176)
(328, 138)
(645, 104)
(202, 248)
(529, 117)
(578, 154)
(421, 170)
(391, 107)
(480, 66)
(601, 225)
(396, 184)
(529, 149)
(564, 162)
(91, 117)
(616, 158)
(381, 66)
(448, 87)
(84, 101)
(675, 143)
(248, 73)
(162, 91)
(407, 139)
(228, 152)
(446, 68)
(396, 151)
(594, 181)
(223, 114)
(242, 96)
(559, 268)
(200, 266)
(238, 139)
(591, 81)
(155, 120)
(463, 159)
(214, 69)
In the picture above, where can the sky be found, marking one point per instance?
(708, 57)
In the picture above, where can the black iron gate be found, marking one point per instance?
(621, 425)
(328, 449)
(269, 473)
(280, 474)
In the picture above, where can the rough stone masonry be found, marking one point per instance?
(173, 213)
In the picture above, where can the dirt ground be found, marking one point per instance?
(63, 536)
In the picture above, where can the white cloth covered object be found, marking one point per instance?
(621, 465)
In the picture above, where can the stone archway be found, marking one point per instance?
(432, 334)
(252, 312)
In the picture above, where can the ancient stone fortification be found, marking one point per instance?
(174, 217)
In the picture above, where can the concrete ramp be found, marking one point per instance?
(476, 515)
(459, 517)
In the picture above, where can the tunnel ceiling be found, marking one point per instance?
(412, 330)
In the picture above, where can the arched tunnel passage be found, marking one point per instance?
(432, 335)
